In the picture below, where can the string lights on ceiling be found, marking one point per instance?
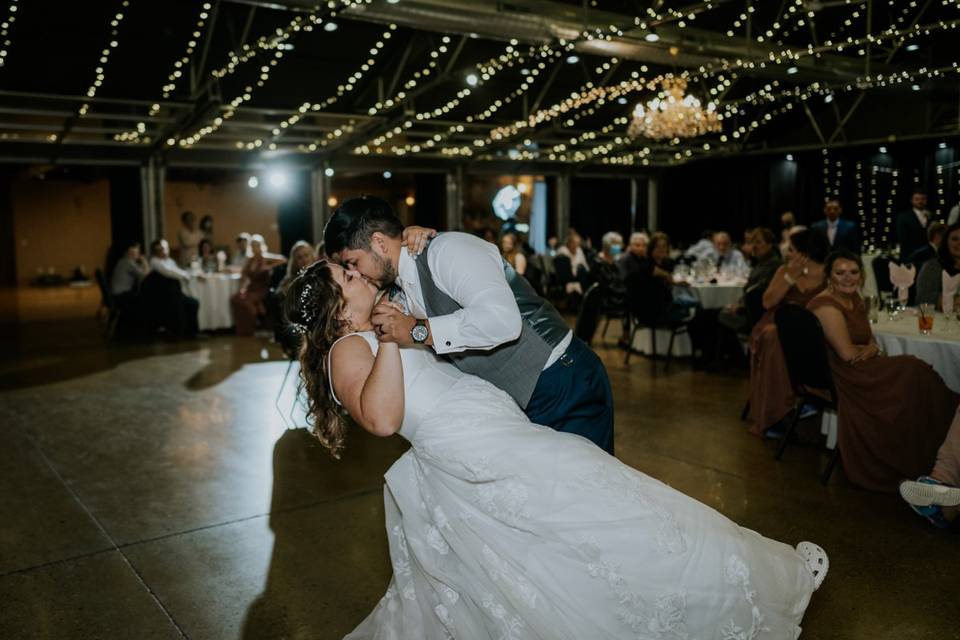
(184, 60)
(5, 28)
(91, 91)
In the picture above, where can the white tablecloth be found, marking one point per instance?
(940, 349)
(213, 292)
(717, 296)
(681, 344)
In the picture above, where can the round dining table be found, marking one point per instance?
(213, 292)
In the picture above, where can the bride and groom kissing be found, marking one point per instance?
(508, 517)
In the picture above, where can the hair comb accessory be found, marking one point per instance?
(299, 329)
(308, 305)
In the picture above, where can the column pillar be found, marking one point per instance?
(319, 194)
(563, 205)
(653, 213)
(454, 221)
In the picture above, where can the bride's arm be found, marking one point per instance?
(370, 388)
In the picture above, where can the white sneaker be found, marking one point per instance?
(927, 492)
(817, 561)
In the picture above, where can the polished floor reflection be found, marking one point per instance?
(160, 491)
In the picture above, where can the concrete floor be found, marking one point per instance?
(156, 492)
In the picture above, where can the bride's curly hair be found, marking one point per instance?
(314, 305)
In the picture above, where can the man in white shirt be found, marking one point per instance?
(175, 310)
(470, 306)
(725, 255)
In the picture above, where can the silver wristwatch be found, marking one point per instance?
(420, 332)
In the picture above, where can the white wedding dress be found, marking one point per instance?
(505, 530)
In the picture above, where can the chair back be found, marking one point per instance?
(804, 349)
(589, 317)
(106, 299)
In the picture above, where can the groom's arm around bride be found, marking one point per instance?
(474, 309)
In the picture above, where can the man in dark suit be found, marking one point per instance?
(912, 225)
(840, 233)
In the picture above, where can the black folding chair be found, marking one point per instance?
(651, 320)
(805, 351)
(588, 318)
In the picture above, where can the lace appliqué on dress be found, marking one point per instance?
(626, 482)
(736, 572)
(664, 619)
(510, 627)
(514, 582)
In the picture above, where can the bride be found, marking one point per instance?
(502, 529)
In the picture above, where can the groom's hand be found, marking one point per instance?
(392, 325)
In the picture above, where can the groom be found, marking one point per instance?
(470, 306)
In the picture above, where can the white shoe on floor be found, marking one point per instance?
(817, 561)
(926, 492)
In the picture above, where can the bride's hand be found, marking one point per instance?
(392, 324)
(415, 239)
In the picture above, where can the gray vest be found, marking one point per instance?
(513, 366)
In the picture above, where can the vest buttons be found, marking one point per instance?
(448, 343)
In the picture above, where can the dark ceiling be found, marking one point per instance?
(830, 97)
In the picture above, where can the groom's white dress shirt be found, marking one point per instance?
(470, 271)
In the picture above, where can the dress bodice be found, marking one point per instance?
(858, 324)
(426, 379)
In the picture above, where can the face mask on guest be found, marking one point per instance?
(615, 250)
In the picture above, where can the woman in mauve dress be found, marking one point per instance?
(894, 412)
(796, 282)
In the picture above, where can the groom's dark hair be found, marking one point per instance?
(356, 220)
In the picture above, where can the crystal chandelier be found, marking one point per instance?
(673, 115)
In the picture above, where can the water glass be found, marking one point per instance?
(873, 308)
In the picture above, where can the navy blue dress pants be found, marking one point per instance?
(573, 395)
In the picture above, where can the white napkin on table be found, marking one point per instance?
(950, 285)
(902, 278)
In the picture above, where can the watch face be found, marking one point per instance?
(419, 333)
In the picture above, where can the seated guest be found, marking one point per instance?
(606, 270)
(127, 275)
(571, 265)
(170, 306)
(510, 250)
(247, 303)
(930, 279)
(241, 252)
(636, 251)
(840, 233)
(302, 255)
(208, 259)
(894, 412)
(928, 251)
(766, 261)
(725, 255)
(795, 282)
(929, 494)
(746, 247)
(190, 237)
(650, 290)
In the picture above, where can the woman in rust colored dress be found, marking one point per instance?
(796, 282)
(894, 412)
(247, 304)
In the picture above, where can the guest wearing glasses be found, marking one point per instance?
(796, 282)
(248, 302)
(930, 279)
(894, 412)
